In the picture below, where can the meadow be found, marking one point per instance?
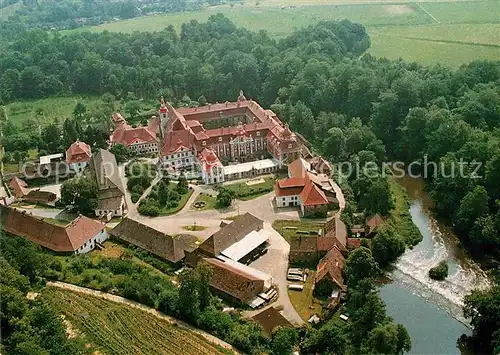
(449, 32)
(113, 328)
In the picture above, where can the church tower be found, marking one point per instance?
(163, 116)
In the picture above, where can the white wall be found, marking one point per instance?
(116, 213)
(284, 201)
(90, 245)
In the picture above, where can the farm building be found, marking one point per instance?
(239, 240)
(271, 318)
(79, 236)
(237, 282)
(170, 248)
(329, 280)
(307, 189)
(42, 197)
(18, 187)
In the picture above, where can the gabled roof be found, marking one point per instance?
(298, 168)
(312, 195)
(304, 244)
(168, 247)
(38, 196)
(104, 170)
(78, 152)
(234, 281)
(127, 135)
(58, 238)
(176, 140)
(289, 191)
(292, 182)
(335, 228)
(19, 187)
(231, 233)
(271, 318)
(331, 267)
(374, 223)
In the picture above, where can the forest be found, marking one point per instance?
(352, 107)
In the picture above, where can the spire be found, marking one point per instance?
(163, 106)
(242, 97)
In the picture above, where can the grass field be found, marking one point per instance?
(450, 32)
(113, 328)
(246, 192)
(210, 202)
(58, 108)
(304, 301)
(297, 226)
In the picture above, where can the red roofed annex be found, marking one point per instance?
(78, 155)
(79, 236)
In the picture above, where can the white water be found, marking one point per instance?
(412, 268)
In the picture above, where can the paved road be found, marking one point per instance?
(142, 307)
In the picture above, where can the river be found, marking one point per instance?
(431, 310)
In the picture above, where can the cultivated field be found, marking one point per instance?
(113, 328)
(47, 110)
(450, 32)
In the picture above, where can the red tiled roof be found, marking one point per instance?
(208, 158)
(311, 195)
(325, 243)
(127, 135)
(353, 243)
(154, 125)
(292, 182)
(297, 168)
(19, 187)
(270, 319)
(331, 266)
(58, 238)
(234, 282)
(288, 191)
(176, 140)
(335, 228)
(78, 152)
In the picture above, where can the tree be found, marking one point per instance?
(80, 194)
(79, 111)
(472, 206)
(483, 309)
(387, 246)
(388, 338)
(204, 275)
(120, 152)
(283, 340)
(360, 265)
(225, 197)
(51, 139)
(182, 185)
(328, 339)
(189, 301)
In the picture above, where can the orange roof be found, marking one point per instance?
(311, 195)
(331, 266)
(175, 140)
(19, 187)
(292, 182)
(78, 152)
(127, 135)
(287, 191)
(297, 168)
(58, 238)
(208, 158)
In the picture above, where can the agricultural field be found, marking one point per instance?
(113, 328)
(449, 32)
(292, 228)
(46, 110)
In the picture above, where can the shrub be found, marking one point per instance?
(149, 207)
(439, 272)
(135, 197)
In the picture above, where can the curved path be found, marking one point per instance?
(130, 303)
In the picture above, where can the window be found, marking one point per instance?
(204, 143)
(220, 139)
(258, 134)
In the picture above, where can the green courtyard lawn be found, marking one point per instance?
(304, 301)
(247, 192)
(166, 211)
(292, 228)
(209, 200)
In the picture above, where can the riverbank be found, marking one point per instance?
(430, 310)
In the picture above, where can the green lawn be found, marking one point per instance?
(172, 210)
(304, 301)
(248, 192)
(283, 227)
(52, 108)
(448, 32)
(210, 202)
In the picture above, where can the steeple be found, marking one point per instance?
(242, 97)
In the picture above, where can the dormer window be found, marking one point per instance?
(204, 143)
(220, 139)
(289, 146)
(258, 134)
